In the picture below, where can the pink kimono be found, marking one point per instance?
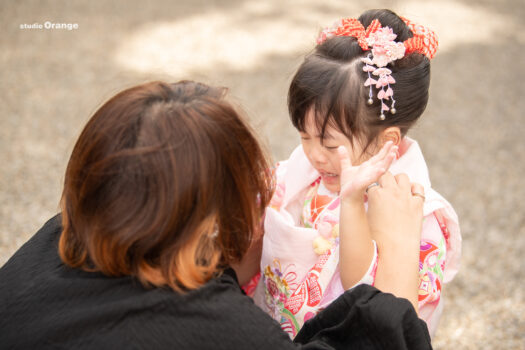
(299, 266)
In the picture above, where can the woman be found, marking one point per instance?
(163, 194)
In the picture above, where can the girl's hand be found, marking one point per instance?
(355, 179)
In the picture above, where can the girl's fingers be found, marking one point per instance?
(344, 157)
(381, 167)
(383, 152)
(378, 174)
(387, 161)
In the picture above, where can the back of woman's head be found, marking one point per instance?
(331, 81)
(166, 183)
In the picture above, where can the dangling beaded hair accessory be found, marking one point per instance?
(384, 50)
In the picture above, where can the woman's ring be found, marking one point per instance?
(371, 185)
(419, 195)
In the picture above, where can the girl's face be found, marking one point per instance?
(324, 157)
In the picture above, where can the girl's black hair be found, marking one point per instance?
(331, 82)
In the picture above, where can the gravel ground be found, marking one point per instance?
(471, 134)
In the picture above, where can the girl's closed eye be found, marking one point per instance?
(331, 148)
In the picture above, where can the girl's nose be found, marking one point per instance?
(318, 155)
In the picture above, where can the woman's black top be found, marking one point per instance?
(45, 304)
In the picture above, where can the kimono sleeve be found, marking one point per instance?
(365, 318)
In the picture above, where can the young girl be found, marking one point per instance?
(363, 87)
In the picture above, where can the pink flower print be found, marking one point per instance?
(272, 288)
(282, 298)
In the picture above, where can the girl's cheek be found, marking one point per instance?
(307, 149)
(304, 143)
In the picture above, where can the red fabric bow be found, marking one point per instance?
(424, 40)
(352, 27)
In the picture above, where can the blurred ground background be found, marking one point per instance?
(471, 133)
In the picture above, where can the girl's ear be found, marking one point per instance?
(392, 133)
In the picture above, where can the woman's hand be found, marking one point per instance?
(355, 179)
(394, 213)
(395, 217)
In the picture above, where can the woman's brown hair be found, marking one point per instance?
(166, 183)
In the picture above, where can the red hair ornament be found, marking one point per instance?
(384, 50)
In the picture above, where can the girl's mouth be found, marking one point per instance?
(329, 178)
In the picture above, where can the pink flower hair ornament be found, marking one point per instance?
(384, 50)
